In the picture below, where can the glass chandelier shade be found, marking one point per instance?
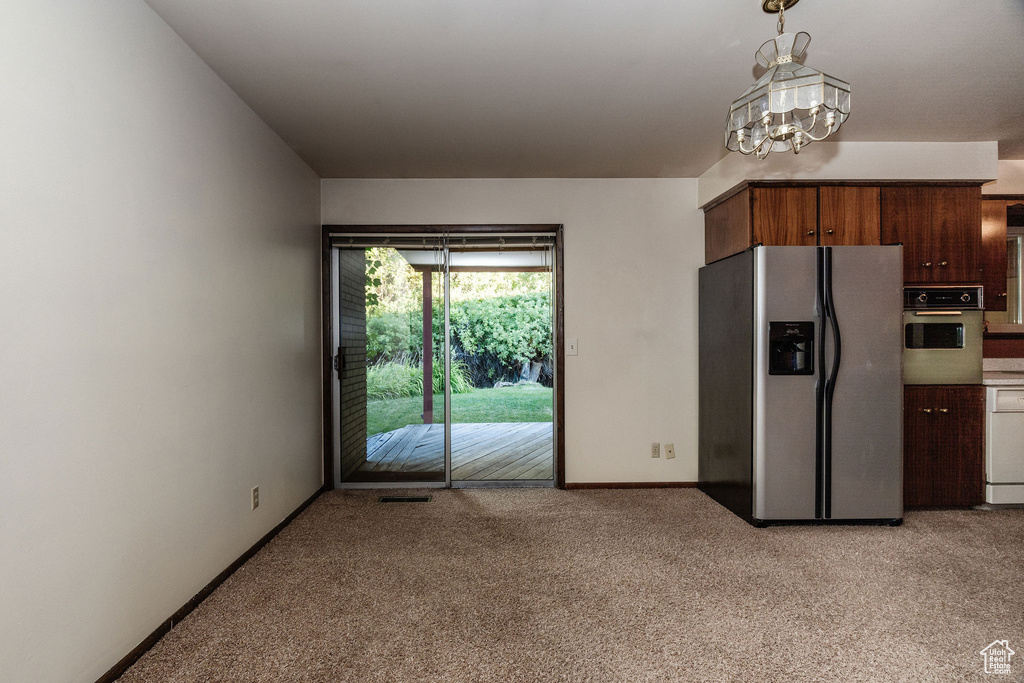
(790, 106)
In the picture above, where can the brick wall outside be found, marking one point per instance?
(353, 344)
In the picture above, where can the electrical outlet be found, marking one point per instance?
(255, 497)
(670, 450)
(655, 450)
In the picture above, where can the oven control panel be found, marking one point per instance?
(949, 298)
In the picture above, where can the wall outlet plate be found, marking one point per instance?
(655, 450)
(670, 450)
(255, 497)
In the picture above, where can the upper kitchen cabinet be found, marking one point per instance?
(727, 227)
(784, 216)
(994, 253)
(849, 215)
(804, 215)
(940, 228)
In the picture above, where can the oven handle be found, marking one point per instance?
(938, 312)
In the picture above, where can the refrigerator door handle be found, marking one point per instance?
(819, 398)
(830, 383)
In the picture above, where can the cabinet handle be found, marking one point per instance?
(926, 265)
(943, 263)
(1000, 295)
(943, 410)
(810, 232)
(926, 410)
(829, 232)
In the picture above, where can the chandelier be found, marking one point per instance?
(791, 105)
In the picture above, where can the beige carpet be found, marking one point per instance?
(604, 585)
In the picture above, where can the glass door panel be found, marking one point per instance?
(391, 301)
(445, 360)
(501, 362)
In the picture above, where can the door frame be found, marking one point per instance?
(326, 318)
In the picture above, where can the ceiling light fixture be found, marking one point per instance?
(791, 105)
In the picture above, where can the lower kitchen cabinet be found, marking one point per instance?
(943, 445)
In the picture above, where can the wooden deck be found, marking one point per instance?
(492, 450)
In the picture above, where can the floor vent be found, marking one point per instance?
(404, 499)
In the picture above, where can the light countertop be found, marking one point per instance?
(1002, 378)
(1003, 371)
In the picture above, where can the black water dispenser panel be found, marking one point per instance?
(791, 348)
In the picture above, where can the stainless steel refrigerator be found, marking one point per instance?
(801, 393)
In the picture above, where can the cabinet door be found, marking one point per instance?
(849, 215)
(943, 445)
(785, 216)
(993, 253)
(727, 227)
(905, 218)
(963, 473)
(919, 430)
(940, 228)
(956, 237)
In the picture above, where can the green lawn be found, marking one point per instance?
(521, 403)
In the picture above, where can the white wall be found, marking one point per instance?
(159, 332)
(1010, 180)
(632, 250)
(856, 161)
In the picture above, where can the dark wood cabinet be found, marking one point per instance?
(727, 227)
(940, 228)
(798, 215)
(849, 215)
(943, 445)
(993, 253)
(785, 216)
(956, 234)
(904, 219)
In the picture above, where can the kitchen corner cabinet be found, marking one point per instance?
(826, 215)
(940, 228)
(943, 445)
(993, 253)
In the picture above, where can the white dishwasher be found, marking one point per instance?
(1004, 444)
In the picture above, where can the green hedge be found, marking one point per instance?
(389, 336)
(401, 380)
(511, 329)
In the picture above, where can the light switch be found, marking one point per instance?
(572, 347)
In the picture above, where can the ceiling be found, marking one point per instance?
(567, 88)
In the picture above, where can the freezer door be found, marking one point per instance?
(784, 402)
(867, 409)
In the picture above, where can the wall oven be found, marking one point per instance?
(942, 335)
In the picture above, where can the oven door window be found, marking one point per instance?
(934, 335)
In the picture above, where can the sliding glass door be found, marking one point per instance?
(444, 359)
(502, 354)
(390, 361)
